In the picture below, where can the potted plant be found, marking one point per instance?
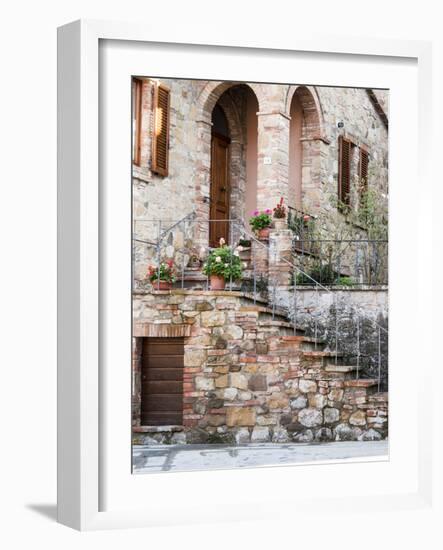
(222, 265)
(163, 276)
(261, 223)
(194, 261)
(280, 215)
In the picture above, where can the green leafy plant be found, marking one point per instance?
(165, 273)
(224, 262)
(345, 281)
(261, 220)
(245, 243)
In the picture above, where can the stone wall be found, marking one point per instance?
(248, 378)
(356, 317)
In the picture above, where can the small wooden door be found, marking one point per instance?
(220, 191)
(162, 381)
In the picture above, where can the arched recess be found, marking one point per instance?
(239, 105)
(306, 136)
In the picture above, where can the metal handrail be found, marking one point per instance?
(246, 234)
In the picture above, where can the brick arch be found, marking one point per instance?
(233, 117)
(212, 92)
(312, 109)
(306, 142)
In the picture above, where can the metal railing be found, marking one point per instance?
(188, 232)
(350, 262)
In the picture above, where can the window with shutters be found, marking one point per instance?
(344, 171)
(160, 138)
(136, 119)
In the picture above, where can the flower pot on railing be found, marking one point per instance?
(263, 234)
(280, 216)
(162, 285)
(162, 276)
(261, 223)
(222, 264)
(217, 282)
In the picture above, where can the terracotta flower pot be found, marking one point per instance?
(162, 285)
(264, 233)
(217, 282)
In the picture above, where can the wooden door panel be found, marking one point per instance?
(164, 361)
(164, 402)
(160, 348)
(220, 190)
(153, 374)
(162, 381)
(162, 418)
(160, 387)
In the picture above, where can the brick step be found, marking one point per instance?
(266, 310)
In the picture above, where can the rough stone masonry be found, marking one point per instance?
(248, 378)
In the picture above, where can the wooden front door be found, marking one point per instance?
(162, 381)
(219, 194)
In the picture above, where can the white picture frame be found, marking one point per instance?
(82, 399)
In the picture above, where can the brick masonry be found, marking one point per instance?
(248, 378)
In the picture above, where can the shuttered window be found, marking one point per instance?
(363, 170)
(136, 119)
(160, 138)
(344, 171)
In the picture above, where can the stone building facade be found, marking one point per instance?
(283, 142)
(251, 368)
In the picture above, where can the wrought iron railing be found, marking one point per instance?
(178, 241)
(350, 262)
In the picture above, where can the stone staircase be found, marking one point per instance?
(248, 377)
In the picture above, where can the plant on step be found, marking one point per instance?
(280, 210)
(244, 243)
(345, 281)
(223, 262)
(261, 220)
(319, 273)
(164, 273)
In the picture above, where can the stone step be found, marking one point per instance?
(312, 354)
(340, 368)
(361, 383)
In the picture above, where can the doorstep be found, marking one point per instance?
(157, 429)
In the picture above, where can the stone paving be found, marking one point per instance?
(171, 458)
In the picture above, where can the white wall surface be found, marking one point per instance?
(28, 261)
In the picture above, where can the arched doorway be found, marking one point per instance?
(305, 137)
(233, 171)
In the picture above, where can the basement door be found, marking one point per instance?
(219, 194)
(162, 381)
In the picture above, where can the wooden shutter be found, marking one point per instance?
(137, 85)
(363, 170)
(160, 138)
(344, 170)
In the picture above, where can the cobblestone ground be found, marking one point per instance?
(161, 458)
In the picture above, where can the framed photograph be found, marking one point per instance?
(232, 294)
